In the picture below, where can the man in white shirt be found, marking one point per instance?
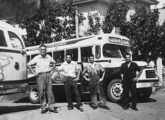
(71, 73)
(43, 63)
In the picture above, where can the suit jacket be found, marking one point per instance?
(129, 72)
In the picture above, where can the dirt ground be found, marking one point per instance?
(150, 109)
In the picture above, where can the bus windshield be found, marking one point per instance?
(125, 50)
(110, 50)
(115, 51)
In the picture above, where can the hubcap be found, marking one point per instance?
(117, 90)
(34, 94)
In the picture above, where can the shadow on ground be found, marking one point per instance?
(139, 100)
(13, 109)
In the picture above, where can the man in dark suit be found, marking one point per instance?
(129, 75)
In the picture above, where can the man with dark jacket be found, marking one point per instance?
(129, 71)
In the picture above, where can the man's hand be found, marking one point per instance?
(135, 79)
(101, 79)
(36, 74)
(87, 79)
(76, 79)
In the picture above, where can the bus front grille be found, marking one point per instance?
(150, 74)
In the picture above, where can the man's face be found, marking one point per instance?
(91, 59)
(43, 51)
(68, 58)
(128, 58)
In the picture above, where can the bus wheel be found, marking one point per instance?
(114, 90)
(144, 93)
(33, 95)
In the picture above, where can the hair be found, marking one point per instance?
(69, 54)
(42, 45)
(91, 55)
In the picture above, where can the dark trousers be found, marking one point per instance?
(71, 87)
(129, 86)
(44, 83)
(96, 89)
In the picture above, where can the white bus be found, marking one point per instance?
(13, 70)
(109, 50)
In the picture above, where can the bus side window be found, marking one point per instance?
(2, 39)
(58, 56)
(85, 53)
(15, 41)
(97, 52)
(49, 53)
(28, 58)
(73, 53)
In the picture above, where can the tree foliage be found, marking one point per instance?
(52, 18)
(145, 34)
(15, 10)
(94, 23)
(147, 38)
(115, 16)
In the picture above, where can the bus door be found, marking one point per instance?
(12, 57)
(85, 55)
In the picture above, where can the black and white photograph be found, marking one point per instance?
(82, 59)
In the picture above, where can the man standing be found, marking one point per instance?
(72, 73)
(129, 76)
(43, 63)
(94, 74)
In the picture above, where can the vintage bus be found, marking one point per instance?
(109, 50)
(13, 70)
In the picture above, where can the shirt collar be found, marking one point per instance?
(70, 62)
(42, 57)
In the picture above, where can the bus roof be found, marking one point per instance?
(76, 42)
(5, 25)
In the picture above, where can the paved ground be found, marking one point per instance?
(21, 109)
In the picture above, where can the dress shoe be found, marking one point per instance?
(54, 110)
(70, 108)
(125, 108)
(101, 105)
(81, 109)
(44, 110)
(94, 107)
(105, 107)
(135, 108)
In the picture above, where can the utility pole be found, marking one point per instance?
(77, 24)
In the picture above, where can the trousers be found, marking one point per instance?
(44, 84)
(96, 89)
(71, 87)
(129, 86)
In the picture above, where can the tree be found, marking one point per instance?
(94, 23)
(147, 38)
(15, 10)
(52, 18)
(115, 16)
(144, 34)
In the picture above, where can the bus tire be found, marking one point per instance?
(144, 93)
(114, 90)
(34, 95)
